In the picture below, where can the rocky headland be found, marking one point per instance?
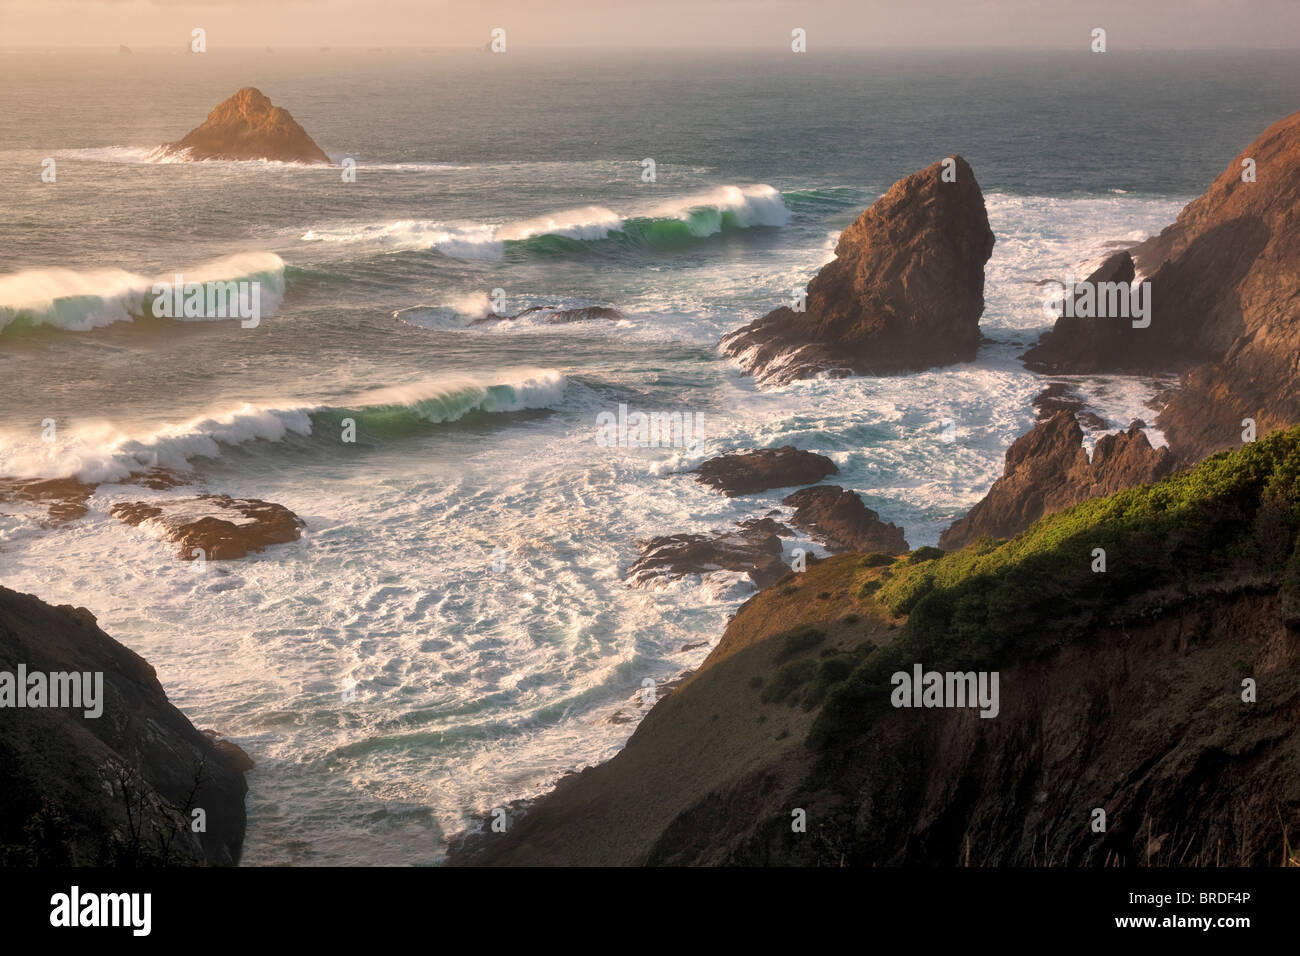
(1047, 470)
(1161, 692)
(1225, 305)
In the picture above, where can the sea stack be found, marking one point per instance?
(1224, 306)
(248, 126)
(904, 293)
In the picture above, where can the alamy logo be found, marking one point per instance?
(649, 430)
(951, 689)
(233, 299)
(102, 909)
(1101, 300)
(75, 689)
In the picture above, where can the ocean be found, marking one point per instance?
(453, 632)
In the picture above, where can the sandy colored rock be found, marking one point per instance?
(222, 527)
(63, 498)
(248, 126)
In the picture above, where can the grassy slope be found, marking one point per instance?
(1230, 522)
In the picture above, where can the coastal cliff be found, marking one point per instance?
(1162, 691)
(1225, 305)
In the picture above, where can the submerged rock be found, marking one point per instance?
(754, 550)
(749, 472)
(1047, 470)
(553, 316)
(248, 126)
(63, 498)
(221, 527)
(842, 522)
(904, 292)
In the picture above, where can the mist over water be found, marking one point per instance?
(477, 442)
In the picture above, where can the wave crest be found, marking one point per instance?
(100, 452)
(81, 300)
(690, 217)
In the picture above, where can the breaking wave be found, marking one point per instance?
(100, 452)
(81, 300)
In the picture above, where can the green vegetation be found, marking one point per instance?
(801, 640)
(788, 680)
(925, 553)
(834, 670)
(876, 559)
(1231, 521)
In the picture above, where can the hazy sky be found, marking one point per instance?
(614, 23)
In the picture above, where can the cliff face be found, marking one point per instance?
(1162, 692)
(1225, 306)
(905, 291)
(1047, 470)
(117, 789)
(1078, 344)
(248, 126)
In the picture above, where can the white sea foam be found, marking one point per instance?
(759, 205)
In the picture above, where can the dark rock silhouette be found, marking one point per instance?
(117, 789)
(754, 549)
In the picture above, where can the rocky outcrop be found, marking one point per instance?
(1080, 344)
(119, 788)
(904, 292)
(1047, 470)
(1225, 305)
(66, 499)
(222, 527)
(63, 498)
(248, 126)
(754, 549)
(749, 472)
(840, 520)
(1061, 397)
